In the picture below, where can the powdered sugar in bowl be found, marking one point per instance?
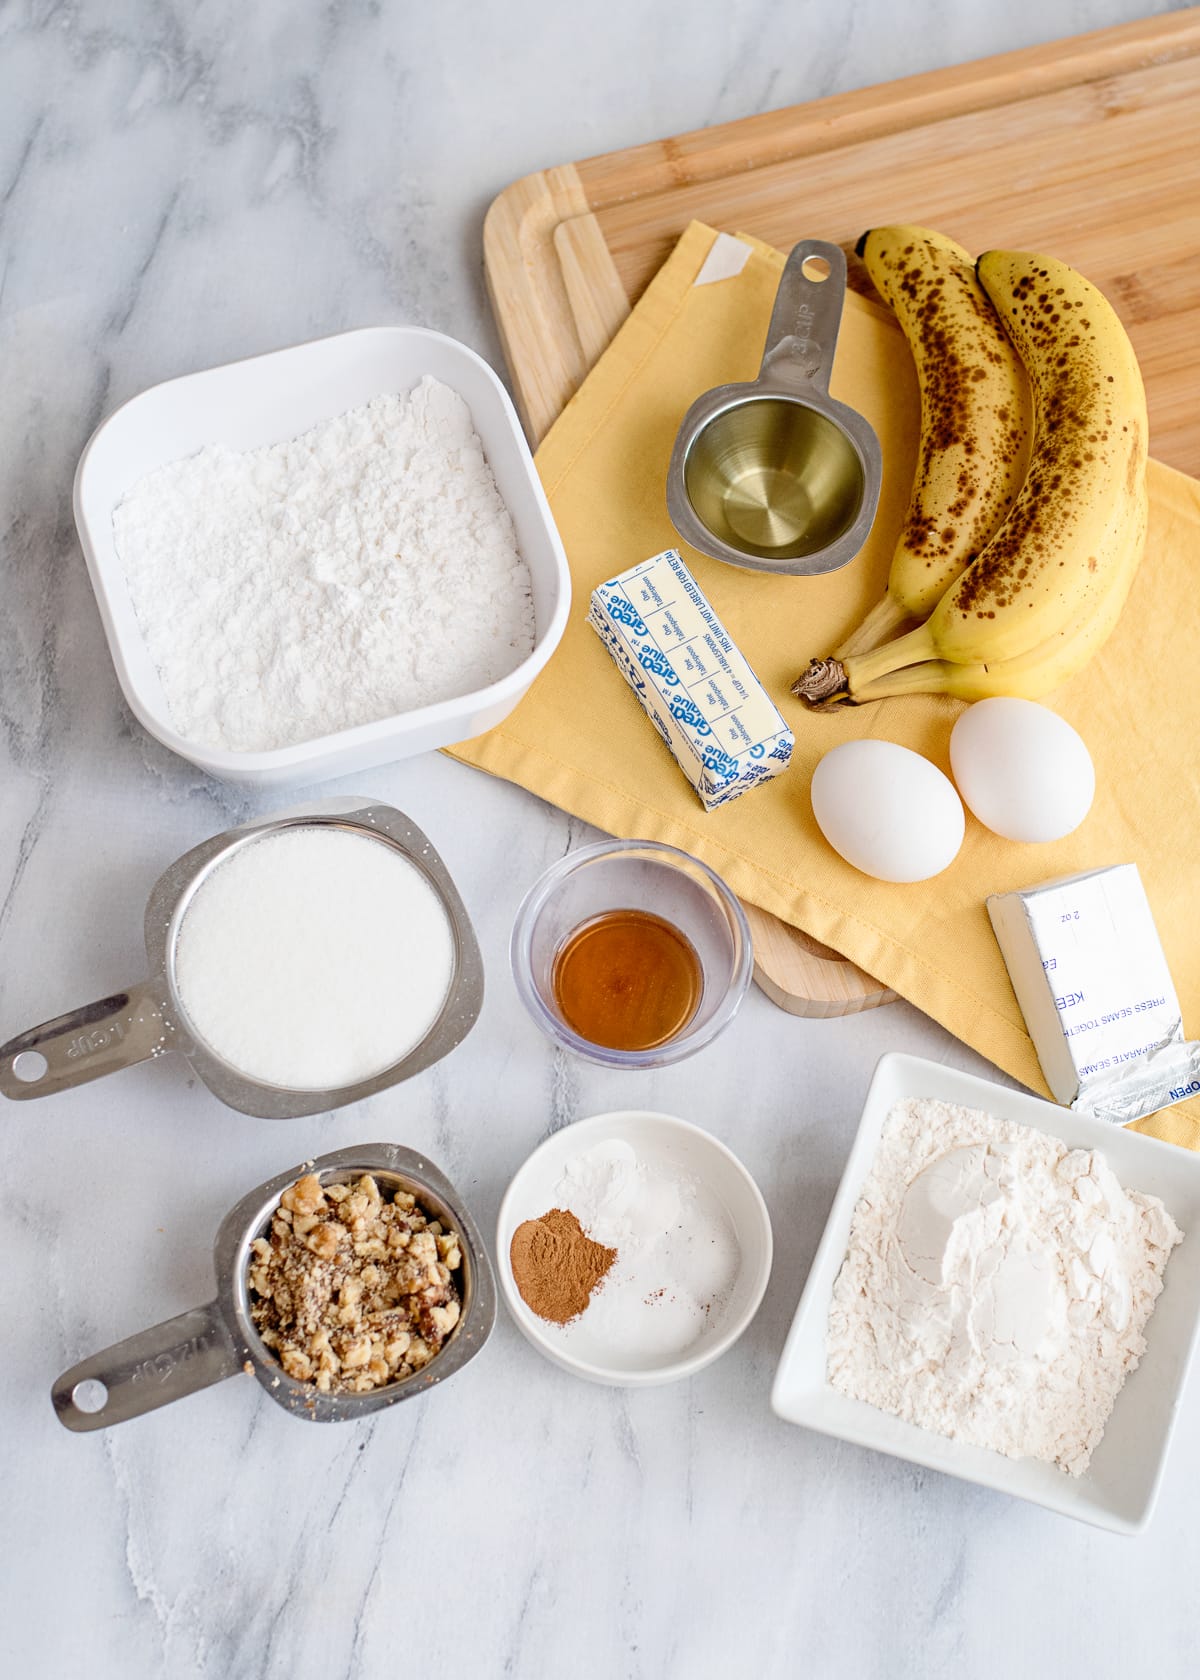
(275, 400)
(689, 1235)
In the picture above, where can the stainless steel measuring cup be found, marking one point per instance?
(216, 1341)
(775, 475)
(148, 1019)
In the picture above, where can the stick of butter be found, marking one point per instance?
(1090, 976)
(695, 686)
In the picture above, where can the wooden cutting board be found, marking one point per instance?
(1089, 148)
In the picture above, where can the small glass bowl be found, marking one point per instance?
(634, 875)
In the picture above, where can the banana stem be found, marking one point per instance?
(912, 649)
(822, 685)
(881, 623)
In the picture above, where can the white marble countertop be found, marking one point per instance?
(178, 186)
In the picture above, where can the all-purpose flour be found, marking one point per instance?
(997, 1284)
(363, 569)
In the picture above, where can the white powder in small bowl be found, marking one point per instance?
(677, 1257)
(313, 957)
(361, 570)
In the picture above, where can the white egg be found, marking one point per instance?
(886, 810)
(1022, 769)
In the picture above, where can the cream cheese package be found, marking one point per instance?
(1090, 976)
(691, 680)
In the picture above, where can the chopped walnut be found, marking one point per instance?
(305, 1196)
(325, 1241)
(350, 1290)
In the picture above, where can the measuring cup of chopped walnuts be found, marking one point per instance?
(344, 1285)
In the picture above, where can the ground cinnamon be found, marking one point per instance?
(556, 1265)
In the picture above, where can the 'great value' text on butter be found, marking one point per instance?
(693, 683)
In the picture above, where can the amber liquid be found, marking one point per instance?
(627, 980)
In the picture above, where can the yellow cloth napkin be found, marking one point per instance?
(580, 740)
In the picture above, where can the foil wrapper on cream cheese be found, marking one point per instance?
(1092, 981)
(692, 681)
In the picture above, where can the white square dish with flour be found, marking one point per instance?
(1117, 1488)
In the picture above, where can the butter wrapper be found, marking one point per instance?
(1090, 976)
(693, 683)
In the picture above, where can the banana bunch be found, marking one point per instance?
(975, 421)
(1025, 599)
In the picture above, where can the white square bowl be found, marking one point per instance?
(1119, 1488)
(265, 400)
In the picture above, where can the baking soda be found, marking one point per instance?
(677, 1256)
(313, 958)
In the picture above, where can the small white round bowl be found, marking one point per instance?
(663, 1137)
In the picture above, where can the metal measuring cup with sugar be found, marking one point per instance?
(209, 1343)
(149, 1020)
(775, 475)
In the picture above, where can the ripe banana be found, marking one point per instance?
(1044, 668)
(975, 420)
(1077, 518)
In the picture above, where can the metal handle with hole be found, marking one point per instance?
(803, 333)
(177, 1357)
(86, 1043)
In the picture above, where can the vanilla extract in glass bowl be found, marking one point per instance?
(631, 953)
(627, 980)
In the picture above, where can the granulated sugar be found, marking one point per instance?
(314, 957)
(363, 569)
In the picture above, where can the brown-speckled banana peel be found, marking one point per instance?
(1047, 590)
(975, 420)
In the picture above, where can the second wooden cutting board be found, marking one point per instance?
(1086, 147)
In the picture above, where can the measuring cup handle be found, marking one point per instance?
(149, 1370)
(85, 1043)
(803, 333)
